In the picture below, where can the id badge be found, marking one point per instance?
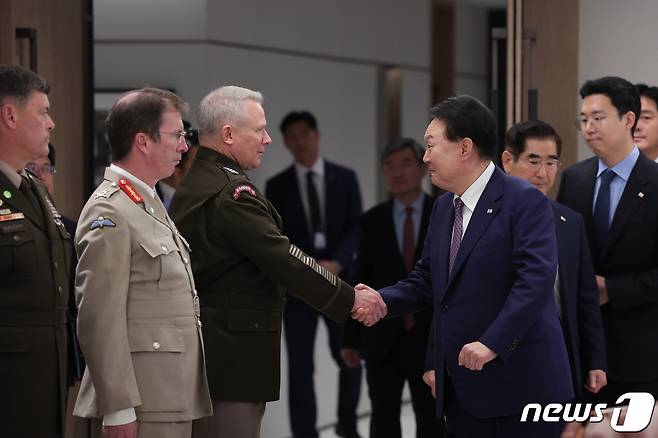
(319, 241)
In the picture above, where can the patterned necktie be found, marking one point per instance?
(602, 211)
(457, 230)
(408, 243)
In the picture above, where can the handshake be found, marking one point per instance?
(368, 305)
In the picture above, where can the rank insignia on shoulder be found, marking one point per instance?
(129, 190)
(244, 188)
(105, 194)
(102, 222)
(233, 171)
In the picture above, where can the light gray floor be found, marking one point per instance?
(406, 419)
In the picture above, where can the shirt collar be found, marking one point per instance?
(624, 168)
(13, 176)
(399, 208)
(317, 168)
(121, 171)
(472, 194)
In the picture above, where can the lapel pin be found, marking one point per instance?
(6, 194)
(489, 210)
(562, 219)
(152, 210)
(641, 195)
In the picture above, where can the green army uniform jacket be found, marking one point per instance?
(35, 256)
(243, 266)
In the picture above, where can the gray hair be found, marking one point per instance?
(224, 105)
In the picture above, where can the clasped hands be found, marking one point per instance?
(368, 305)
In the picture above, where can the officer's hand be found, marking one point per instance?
(368, 305)
(429, 379)
(351, 357)
(122, 431)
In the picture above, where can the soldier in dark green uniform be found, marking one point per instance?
(34, 268)
(243, 265)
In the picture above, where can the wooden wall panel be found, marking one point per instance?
(59, 28)
(554, 68)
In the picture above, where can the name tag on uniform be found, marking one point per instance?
(319, 240)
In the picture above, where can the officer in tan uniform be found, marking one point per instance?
(243, 265)
(34, 276)
(138, 315)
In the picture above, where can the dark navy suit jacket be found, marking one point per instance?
(579, 297)
(500, 292)
(629, 263)
(342, 202)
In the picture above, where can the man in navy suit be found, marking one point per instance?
(488, 268)
(616, 192)
(390, 241)
(320, 204)
(532, 152)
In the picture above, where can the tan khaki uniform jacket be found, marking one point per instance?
(243, 267)
(137, 319)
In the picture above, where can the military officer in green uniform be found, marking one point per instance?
(138, 315)
(243, 265)
(34, 268)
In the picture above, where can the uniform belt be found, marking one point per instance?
(234, 300)
(33, 317)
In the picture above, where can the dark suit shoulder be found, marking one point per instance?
(565, 211)
(580, 166)
(338, 169)
(281, 177)
(375, 213)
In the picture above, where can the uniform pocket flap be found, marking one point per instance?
(156, 339)
(13, 340)
(250, 320)
(159, 246)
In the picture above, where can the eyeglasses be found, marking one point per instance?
(585, 121)
(45, 169)
(535, 163)
(181, 135)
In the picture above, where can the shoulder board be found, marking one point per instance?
(105, 191)
(230, 170)
(129, 190)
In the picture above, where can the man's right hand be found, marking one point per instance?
(429, 379)
(368, 305)
(122, 431)
(351, 357)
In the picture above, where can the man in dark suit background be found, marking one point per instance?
(320, 204)
(532, 152)
(616, 192)
(488, 268)
(391, 237)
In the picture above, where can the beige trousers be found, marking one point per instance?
(151, 430)
(231, 420)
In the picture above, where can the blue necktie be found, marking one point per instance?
(602, 211)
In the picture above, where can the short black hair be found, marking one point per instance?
(142, 113)
(298, 116)
(648, 91)
(465, 116)
(19, 83)
(517, 136)
(403, 143)
(623, 95)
